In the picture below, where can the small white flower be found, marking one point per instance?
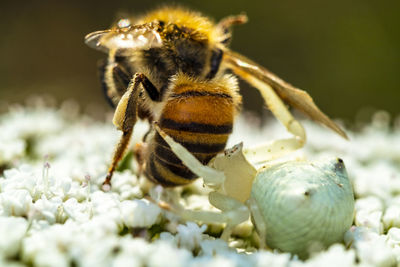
(100, 254)
(25, 122)
(124, 260)
(371, 248)
(371, 220)
(104, 203)
(396, 252)
(359, 234)
(80, 212)
(129, 192)
(37, 225)
(375, 252)
(61, 186)
(266, 258)
(168, 237)
(12, 230)
(24, 177)
(101, 226)
(336, 255)
(48, 246)
(211, 247)
(380, 178)
(163, 255)
(133, 252)
(126, 185)
(47, 209)
(190, 235)
(10, 149)
(51, 257)
(137, 248)
(369, 213)
(139, 213)
(216, 261)
(391, 218)
(77, 191)
(369, 204)
(394, 237)
(16, 202)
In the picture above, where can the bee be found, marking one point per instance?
(170, 66)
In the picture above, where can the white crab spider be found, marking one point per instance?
(295, 206)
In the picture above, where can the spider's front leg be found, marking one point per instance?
(233, 211)
(281, 147)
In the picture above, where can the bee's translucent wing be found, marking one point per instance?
(124, 39)
(297, 98)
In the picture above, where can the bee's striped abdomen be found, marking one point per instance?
(201, 121)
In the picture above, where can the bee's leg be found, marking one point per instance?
(280, 147)
(125, 116)
(212, 178)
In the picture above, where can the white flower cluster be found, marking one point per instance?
(20, 127)
(52, 212)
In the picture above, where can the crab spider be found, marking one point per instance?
(315, 200)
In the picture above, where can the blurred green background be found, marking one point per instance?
(346, 54)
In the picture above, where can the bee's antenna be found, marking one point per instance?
(228, 22)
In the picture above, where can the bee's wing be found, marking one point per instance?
(295, 97)
(124, 40)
